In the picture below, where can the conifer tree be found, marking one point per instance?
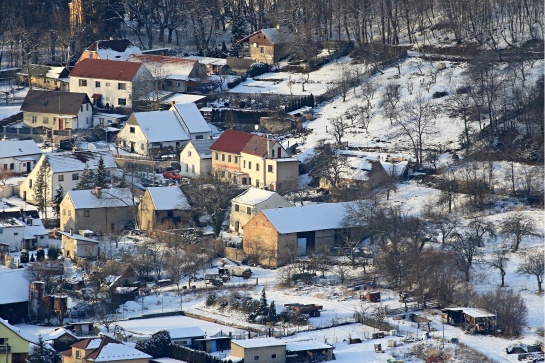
(57, 199)
(86, 179)
(263, 308)
(41, 187)
(40, 353)
(272, 317)
(100, 179)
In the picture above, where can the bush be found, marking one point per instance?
(232, 84)
(53, 252)
(258, 69)
(510, 309)
(211, 299)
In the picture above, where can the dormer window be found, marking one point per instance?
(78, 354)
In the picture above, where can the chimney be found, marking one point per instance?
(71, 231)
(269, 145)
(98, 192)
(172, 103)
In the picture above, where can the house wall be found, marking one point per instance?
(287, 174)
(242, 217)
(76, 248)
(13, 236)
(109, 89)
(264, 354)
(192, 165)
(98, 219)
(18, 346)
(18, 165)
(264, 51)
(225, 162)
(83, 120)
(151, 219)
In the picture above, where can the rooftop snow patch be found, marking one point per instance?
(75, 161)
(253, 196)
(168, 198)
(14, 286)
(117, 351)
(312, 217)
(159, 126)
(192, 118)
(113, 197)
(17, 148)
(259, 342)
(189, 332)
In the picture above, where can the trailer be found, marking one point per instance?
(311, 310)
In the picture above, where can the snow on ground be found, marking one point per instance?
(7, 111)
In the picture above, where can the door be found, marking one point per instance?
(237, 226)
(61, 124)
(213, 346)
(28, 168)
(301, 246)
(132, 147)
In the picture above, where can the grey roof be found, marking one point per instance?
(56, 102)
(38, 70)
(277, 36)
(203, 147)
(110, 198)
(63, 162)
(17, 148)
(78, 237)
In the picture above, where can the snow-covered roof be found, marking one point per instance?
(59, 332)
(277, 36)
(184, 98)
(203, 147)
(192, 118)
(298, 346)
(166, 360)
(113, 197)
(165, 67)
(259, 342)
(189, 332)
(63, 162)
(209, 60)
(168, 198)
(253, 196)
(36, 229)
(312, 217)
(114, 49)
(160, 126)
(29, 337)
(118, 351)
(14, 286)
(478, 313)
(17, 148)
(54, 72)
(78, 237)
(395, 169)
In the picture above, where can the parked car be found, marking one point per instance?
(170, 173)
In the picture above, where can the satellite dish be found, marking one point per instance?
(255, 45)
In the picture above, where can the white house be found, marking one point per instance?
(26, 233)
(247, 204)
(110, 83)
(192, 121)
(196, 158)
(65, 169)
(18, 156)
(11, 232)
(57, 110)
(147, 133)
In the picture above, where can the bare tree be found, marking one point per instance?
(499, 260)
(339, 125)
(328, 163)
(416, 123)
(465, 249)
(533, 264)
(518, 226)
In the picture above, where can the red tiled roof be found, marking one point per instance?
(232, 141)
(256, 146)
(106, 69)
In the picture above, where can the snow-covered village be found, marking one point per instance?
(221, 181)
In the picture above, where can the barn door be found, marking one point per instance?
(301, 246)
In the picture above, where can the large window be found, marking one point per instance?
(270, 168)
(45, 120)
(61, 178)
(97, 84)
(121, 86)
(122, 102)
(82, 83)
(132, 129)
(75, 176)
(237, 207)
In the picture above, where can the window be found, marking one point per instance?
(256, 357)
(236, 159)
(61, 178)
(193, 169)
(107, 84)
(121, 86)
(11, 166)
(75, 176)
(87, 120)
(64, 212)
(122, 102)
(132, 129)
(97, 84)
(142, 147)
(257, 183)
(249, 164)
(5, 166)
(272, 153)
(1, 230)
(78, 354)
(199, 137)
(229, 158)
(82, 83)
(45, 120)
(69, 213)
(273, 356)
(244, 163)
(222, 157)
(178, 85)
(112, 226)
(34, 119)
(101, 121)
(189, 153)
(30, 183)
(248, 210)
(67, 123)
(257, 167)
(216, 154)
(237, 207)
(86, 107)
(86, 213)
(261, 50)
(223, 174)
(270, 168)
